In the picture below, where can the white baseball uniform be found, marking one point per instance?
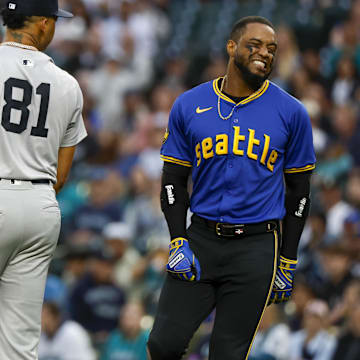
(40, 111)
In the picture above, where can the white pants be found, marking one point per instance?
(29, 230)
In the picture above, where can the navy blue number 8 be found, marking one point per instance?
(43, 90)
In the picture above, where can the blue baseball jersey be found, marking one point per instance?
(238, 163)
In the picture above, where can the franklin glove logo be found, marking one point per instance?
(279, 283)
(176, 260)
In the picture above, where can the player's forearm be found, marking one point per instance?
(65, 158)
(297, 204)
(58, 186)
(175, 198)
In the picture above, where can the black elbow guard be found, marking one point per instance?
(297, 206)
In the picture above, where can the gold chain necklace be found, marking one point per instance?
(218, 107)
(22, 46)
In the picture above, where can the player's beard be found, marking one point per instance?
(254, 81)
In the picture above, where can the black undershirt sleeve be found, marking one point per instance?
(174, 197)
(297, 204)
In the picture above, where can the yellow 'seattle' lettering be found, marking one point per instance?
(198, 154)
(222, 144)
(271, 160)
(207, 148)
(252, 141)
(237, 139)
(266, 149)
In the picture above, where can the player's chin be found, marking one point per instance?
(260, 73)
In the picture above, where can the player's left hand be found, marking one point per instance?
(283, 283)
(182, 260)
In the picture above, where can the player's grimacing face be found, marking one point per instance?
(255, 51)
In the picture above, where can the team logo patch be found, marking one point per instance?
(28, 63)
(11, 6)
(166, 135)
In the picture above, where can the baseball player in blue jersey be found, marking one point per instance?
(249, 147)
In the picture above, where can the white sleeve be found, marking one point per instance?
(277, 342)
(78, 345)
(75, 131)
(328, 348)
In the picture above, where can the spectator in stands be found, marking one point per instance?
(63, 339)
(345, 83)
(95, 301)
(336, 261)
(337, 210)
(302, 294)
(313, 341)
(288, 56)
(343, 309)
(273, 337)
(149, 159)
(343, 39)
(312, 240)
(117, 237)
(149, 276)
(103, 205)
(348, 347)
(76, 262)
(129, 340)
(346, 129)
(351, 239)
(144, 215)
(320, 137)
(312, 62)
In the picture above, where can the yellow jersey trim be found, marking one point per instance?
(251, 97)
(297, 170)
(175, 161)
(269, 292)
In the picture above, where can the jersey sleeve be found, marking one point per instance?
(175, 148)
(75, 131)
(300, 154)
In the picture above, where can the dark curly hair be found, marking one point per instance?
(239, 26)
(13, 21)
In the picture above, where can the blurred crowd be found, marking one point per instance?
(132, 58)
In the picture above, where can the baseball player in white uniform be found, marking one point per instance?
(41, 124)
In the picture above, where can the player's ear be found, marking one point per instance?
(43, 22)
(231, 48)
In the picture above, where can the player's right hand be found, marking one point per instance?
(182, 260)
(283, 283)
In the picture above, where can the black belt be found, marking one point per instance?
(38, 181)
(236, 230)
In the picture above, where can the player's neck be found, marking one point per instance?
(21, 37)
(235, 85)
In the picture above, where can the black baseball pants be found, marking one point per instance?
(236, 278)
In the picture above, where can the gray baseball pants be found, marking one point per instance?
(29, 229)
